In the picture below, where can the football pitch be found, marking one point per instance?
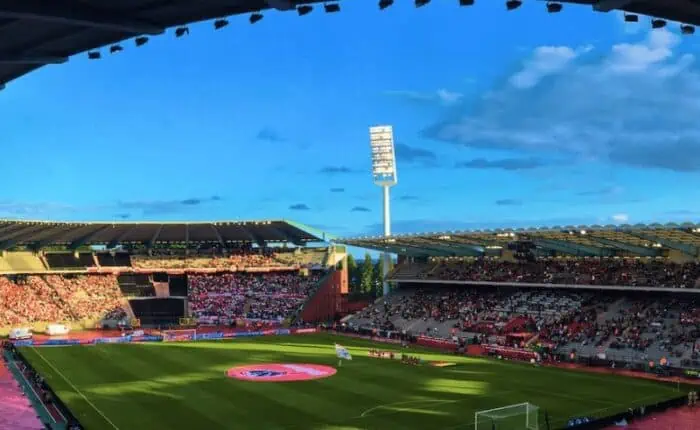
(184, 386)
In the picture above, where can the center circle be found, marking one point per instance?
(280, 372)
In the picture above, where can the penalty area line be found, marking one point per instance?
(80, 393)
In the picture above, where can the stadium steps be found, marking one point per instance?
(127, 307)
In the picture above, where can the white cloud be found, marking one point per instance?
(637, 104)
(620, 218)
(441, 96)
(546, 60)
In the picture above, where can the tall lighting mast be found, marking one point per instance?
(381, 139)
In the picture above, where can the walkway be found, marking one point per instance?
(16, 413)
(673, 419)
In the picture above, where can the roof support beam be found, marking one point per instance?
(690, 250)
(155, 236)
(608, 5)
(187, 239)
(117, 240)
(572, 249)
(253, 237)
(77, 243)
(49, 239)
(451, 248)
(68, 12)
(639, 250)
(11, 239)
(218, 236)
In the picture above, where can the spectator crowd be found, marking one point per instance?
(270, 296)
(637, 325)
(53, 298)
(593, 271)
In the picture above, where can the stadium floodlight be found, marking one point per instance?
(255, 17)
(687, 29)
(421, 3)
(522, 416)
(513, 4)
(553, 7)
(381, 140)
(115, 48)
(220, 23)
(304, 10)
(331, 7)
(383, 4)
(630, 17)
(140, 41)
(182, 31)
(94, 55)
(466, 2)
(658, 23)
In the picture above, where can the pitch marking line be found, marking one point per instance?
(366, 414)
(409, 402)
(80, 393)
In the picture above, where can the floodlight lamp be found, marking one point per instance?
(115, 48)
(182, 31)
(332, 7)
(304, 10)
(255, 17)
(220, 23)
(421, 3)
(631, 17)
(513, 4)
(554, 7)
(140, 41)
(466, 2)
(383, 4)
(94, 55)
(658, 23)
(687, 29)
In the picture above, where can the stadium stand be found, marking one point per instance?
(265, 297)
(619, 326)
(593, 271)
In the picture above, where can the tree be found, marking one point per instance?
(367, 275)
(379, 273)
(354, 275)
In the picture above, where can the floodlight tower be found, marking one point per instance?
(381, 139)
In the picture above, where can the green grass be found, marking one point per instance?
(183, 386)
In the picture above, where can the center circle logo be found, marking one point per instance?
(280, 372)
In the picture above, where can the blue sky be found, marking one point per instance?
(501, 119)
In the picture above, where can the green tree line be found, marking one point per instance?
(365, 278)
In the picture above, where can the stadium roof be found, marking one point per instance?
(34, 33)
(38, 234)
(601, 241)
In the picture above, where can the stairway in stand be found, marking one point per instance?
(16, 413)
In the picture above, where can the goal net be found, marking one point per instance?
(179, 335)
(523, 416)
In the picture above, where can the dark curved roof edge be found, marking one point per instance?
(34, 33)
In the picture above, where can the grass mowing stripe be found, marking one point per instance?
(80, 393)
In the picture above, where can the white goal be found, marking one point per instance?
(523, 416)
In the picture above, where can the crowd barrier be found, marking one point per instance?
(178, 337)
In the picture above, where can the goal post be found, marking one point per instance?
(521, 416)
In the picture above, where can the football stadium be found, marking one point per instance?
(272, 324)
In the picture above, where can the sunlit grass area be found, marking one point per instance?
(184, 386)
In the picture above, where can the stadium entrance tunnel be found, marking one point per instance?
(280, 372)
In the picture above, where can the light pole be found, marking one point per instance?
(381, 139)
